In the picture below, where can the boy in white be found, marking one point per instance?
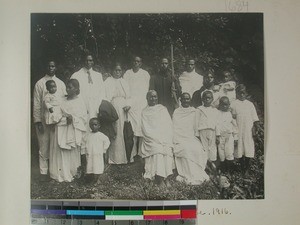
(53, 112)
(246, 118)
(206, 125)
(228, 87)
(96, 145)
(226, 132)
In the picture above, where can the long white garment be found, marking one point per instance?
(190, 157)
(226, 129)
(96, 145)
(39, 93)
(138, 85)
(52, 101)
(157, 141)
(190, 82)
(93, 92)
(117, 92)
(245, 117)
(66, 141)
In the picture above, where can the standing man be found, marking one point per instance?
(92, 88)
(43, 130)
(138, 80)
(190, 81)
(165, 84)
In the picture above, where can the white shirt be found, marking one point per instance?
(39, 93)
(92, 93)
(190, 82)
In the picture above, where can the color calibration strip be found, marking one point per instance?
(123, 210)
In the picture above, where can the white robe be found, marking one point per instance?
(190, 82)
(117, 91)
(65, 141)
(190, 157)
(157, 141)
(52, 101)
(246, 115)
(96, 145)
(230, 94)
(138, 86)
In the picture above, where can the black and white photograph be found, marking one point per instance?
(147, 106)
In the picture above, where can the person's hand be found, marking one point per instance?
(40, 127)
(126, 108)
(69, 119)
(217, 140)
(51, 110)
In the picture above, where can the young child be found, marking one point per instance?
(206, 124)
(226, 132)
(228, 87)
(246, 117)
(52, 102)
(96, 145)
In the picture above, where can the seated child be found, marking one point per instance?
(96, 145)
(53, 112)
(246, 117)
(228, 87)
(206, 125)
(226, 131)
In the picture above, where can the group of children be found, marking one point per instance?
(225, 122)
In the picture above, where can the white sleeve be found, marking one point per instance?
(106, 143)
(37, 104)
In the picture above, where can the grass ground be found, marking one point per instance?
(126, 182)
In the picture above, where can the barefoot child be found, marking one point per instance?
(96, 145)
(228, 87)
(226, 131)
(206, 124)
(52, 102)
(246, 116)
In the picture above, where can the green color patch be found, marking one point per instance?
(124, 212)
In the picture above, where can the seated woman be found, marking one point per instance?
(157, 140)
(190, 158)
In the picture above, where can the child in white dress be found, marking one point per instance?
(96, 145)
(52, 102)
(246, 117)
(206, 125)
(226, 131)
(228, 87)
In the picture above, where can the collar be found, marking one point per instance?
(48, 76)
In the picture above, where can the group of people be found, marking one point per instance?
(178, 123)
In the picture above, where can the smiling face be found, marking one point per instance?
(89, 62)
(224, 104)
(94, 125)
(51, 68)
(185, 100)
(207, 98)
(190, 65)
(152, 98)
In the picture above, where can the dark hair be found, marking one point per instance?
(240, 87)
(75, 84)
(207, 92)
(223, 98)
(185, 93)
(92, 119)
(48, 82)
